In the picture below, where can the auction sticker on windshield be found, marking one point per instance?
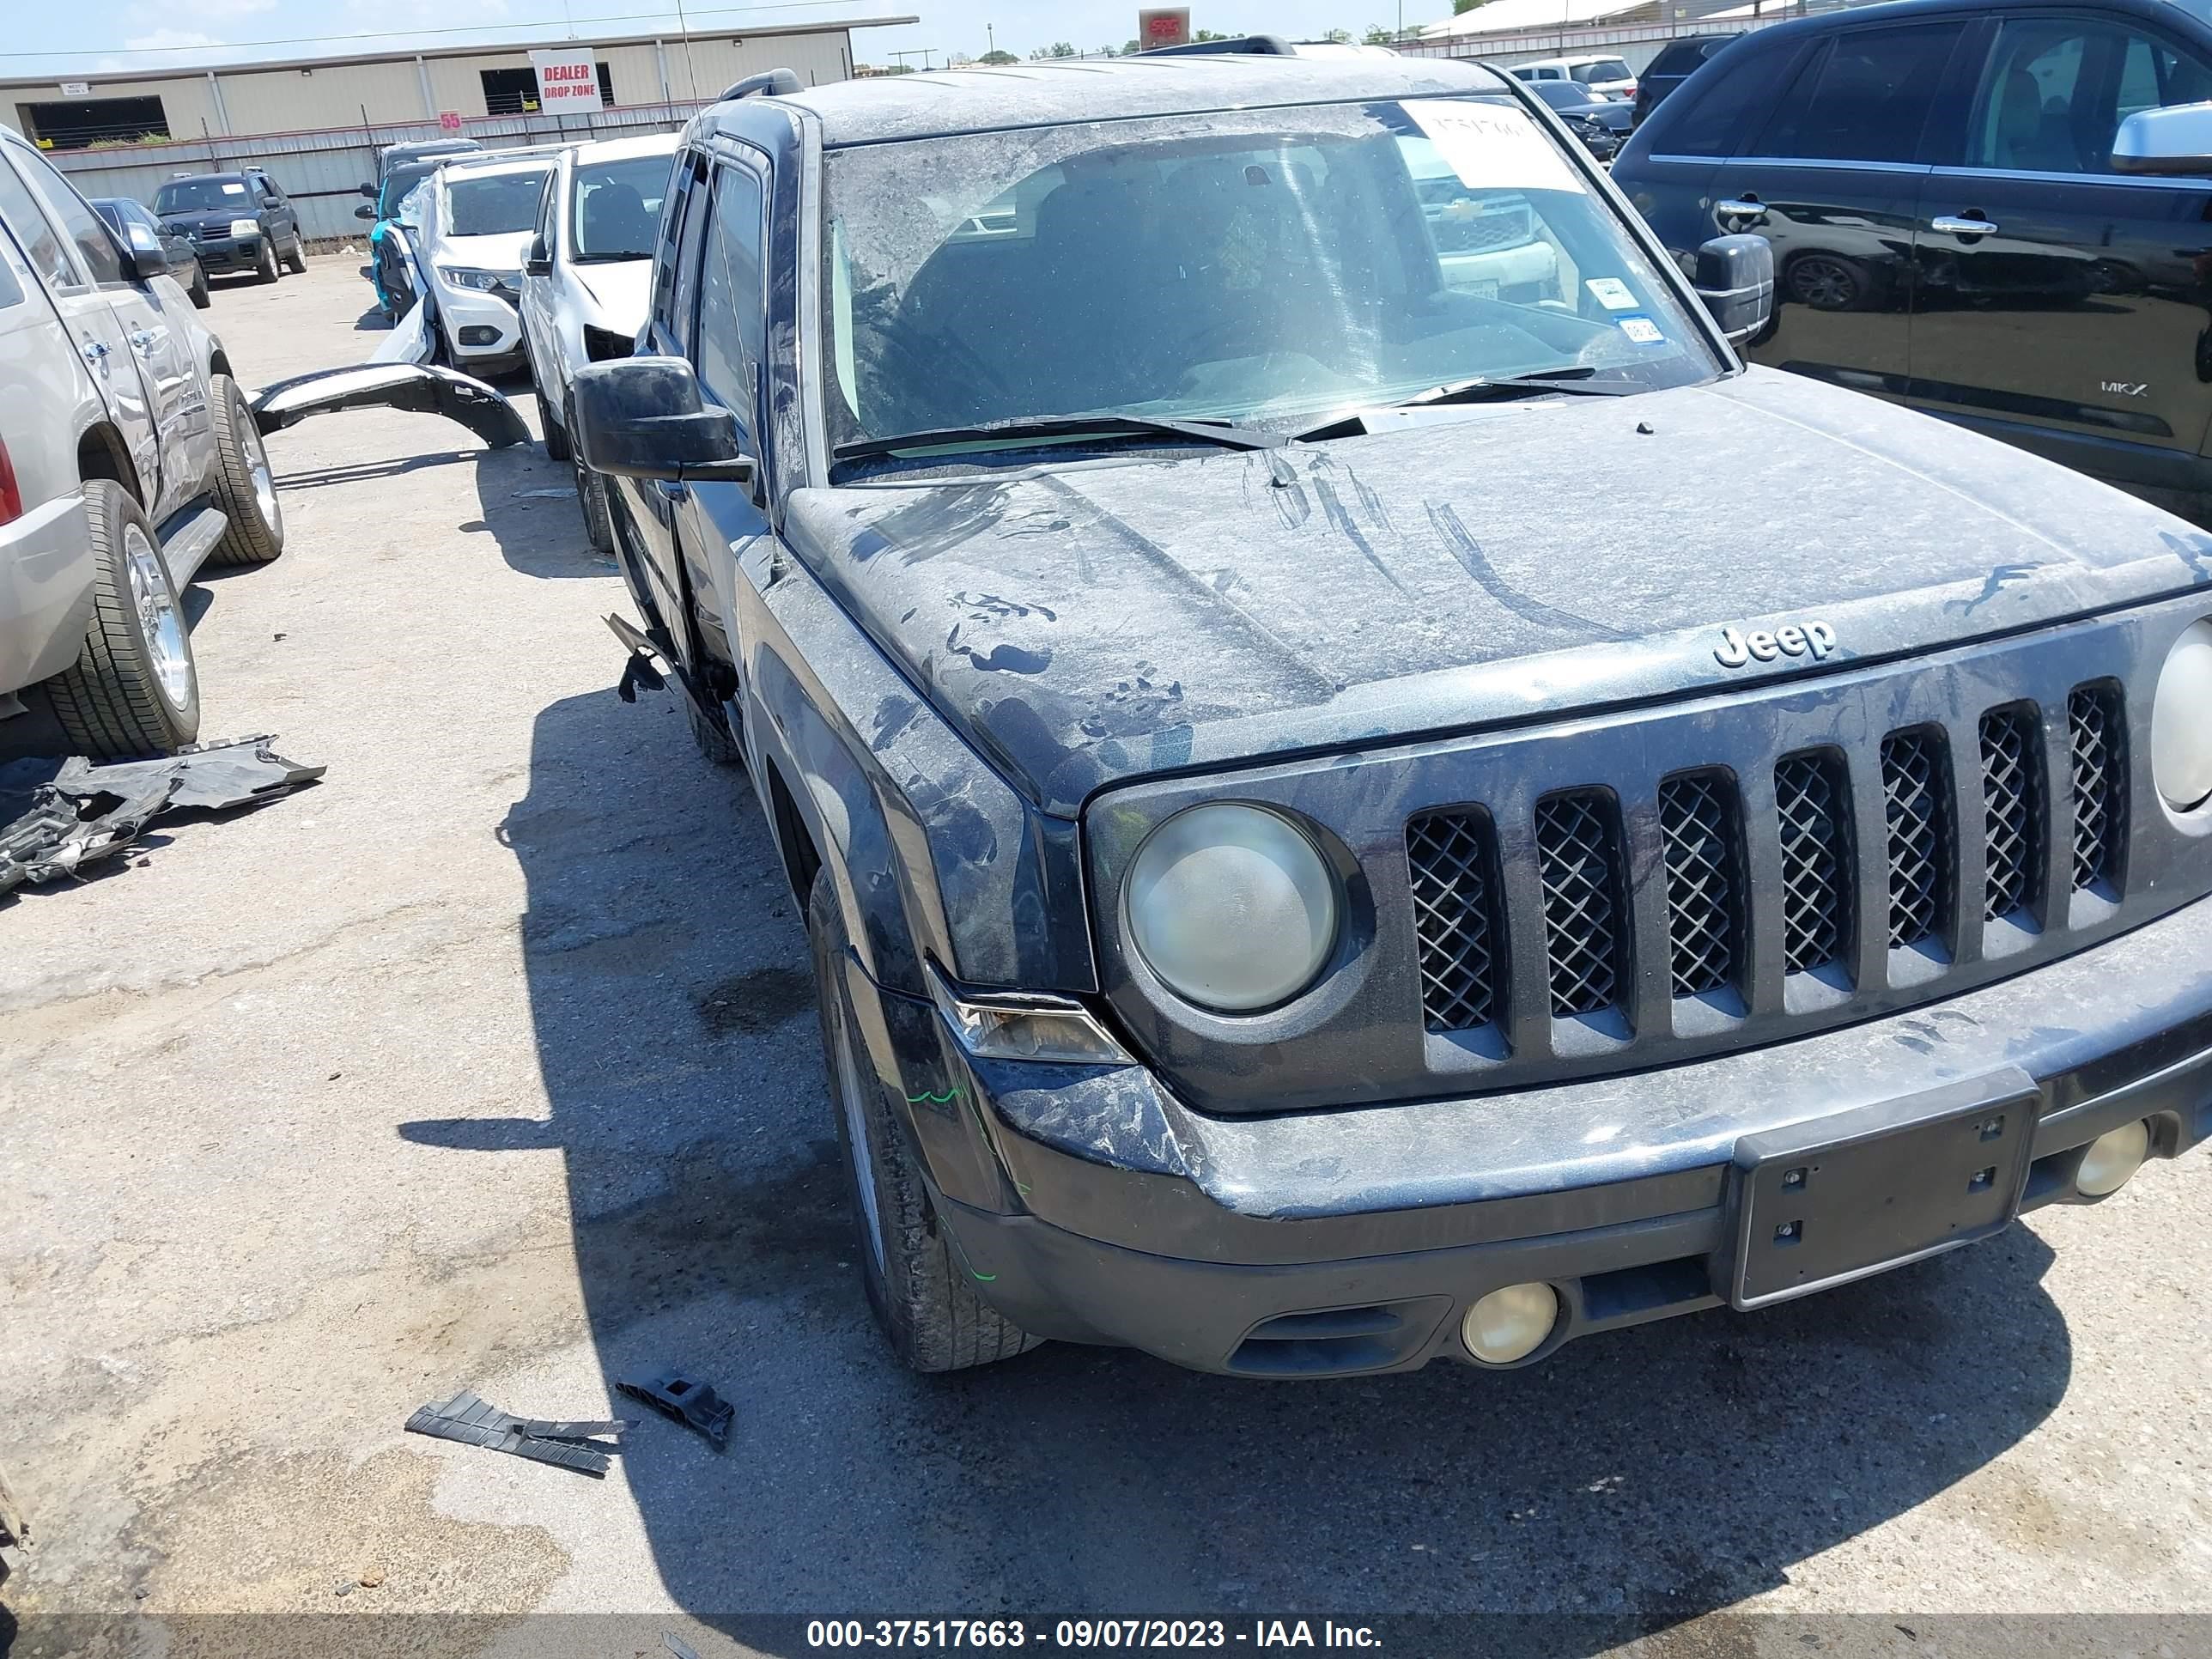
(1611, 293)
(1492, 147)
(1643, 330)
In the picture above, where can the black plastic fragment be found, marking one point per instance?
(637, 671)
(89, 812)
(471, 1420)
(686, 1399)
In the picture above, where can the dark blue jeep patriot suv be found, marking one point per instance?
(1363, 790)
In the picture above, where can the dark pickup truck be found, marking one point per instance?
(1350, 814)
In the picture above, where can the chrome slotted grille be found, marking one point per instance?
(1454, 862)
(1813, 814)
(1578, 861)
(2099, 786)
(1697, 824)
(2012, 812)
(1916, 804)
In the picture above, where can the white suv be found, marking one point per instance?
(128, 456)
(586, 281)
(476, 221)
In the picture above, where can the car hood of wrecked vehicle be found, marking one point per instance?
(1088, 623)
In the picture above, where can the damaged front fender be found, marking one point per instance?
(414, 386)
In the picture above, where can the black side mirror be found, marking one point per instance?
(1735, 279)
(365, 211)
(642, 417)
(143, 256)
(369, 191)
(538, 262)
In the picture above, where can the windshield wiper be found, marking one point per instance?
(1576, 382)
(1220, 433)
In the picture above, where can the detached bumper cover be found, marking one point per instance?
(414, 386)
(1088, 1203)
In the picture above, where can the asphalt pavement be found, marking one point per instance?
(491, 1061)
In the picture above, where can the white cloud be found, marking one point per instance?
(170, 40)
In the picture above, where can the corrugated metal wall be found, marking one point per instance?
(245, 104)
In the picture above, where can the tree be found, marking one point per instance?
(1339, 37)
(998, 57)
(1378, 35)
(1463, 6)
(1131, 48)
(1057, 49)
(1204, 35)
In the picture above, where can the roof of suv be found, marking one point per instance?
(981, 99)
(1902, 10)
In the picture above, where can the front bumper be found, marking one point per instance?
(222, 255)
(1088, 1204)
(482, 330)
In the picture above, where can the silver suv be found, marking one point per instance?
(128, 458)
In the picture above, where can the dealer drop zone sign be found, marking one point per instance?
(565, 79)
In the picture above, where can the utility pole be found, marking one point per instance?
(992, 39)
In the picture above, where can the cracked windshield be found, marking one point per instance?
(1271, 268)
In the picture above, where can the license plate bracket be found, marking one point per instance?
(1825, 1202)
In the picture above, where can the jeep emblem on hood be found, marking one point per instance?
(1814, 639)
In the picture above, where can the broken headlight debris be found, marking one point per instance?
(89, 812)
(471, 1420)
(687, 1401)
(1025, 1027)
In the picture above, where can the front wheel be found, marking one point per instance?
(134, 688)
(296, 260)
(917, 1288)
(265, 272)
(599, 512)
(556, 434)
(244, 483)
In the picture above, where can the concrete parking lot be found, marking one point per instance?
(491, 1061)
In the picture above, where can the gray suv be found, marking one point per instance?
(128, 458)
(1353, 810)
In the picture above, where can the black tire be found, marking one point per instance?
(266, 271)
(712, 738)
(244, 483)
(296, 260)
(1827, 281)
(113, 703)
(201, 298)
(918, 1289)
(599, 512)
(555, 431)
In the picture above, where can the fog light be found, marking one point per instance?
(2113, 1160)
(476, 334)
(1512, 1323)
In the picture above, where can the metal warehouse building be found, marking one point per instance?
(314, 123)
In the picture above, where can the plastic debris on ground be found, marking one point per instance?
(687, 1401)
(473, 1421)
(88, 812)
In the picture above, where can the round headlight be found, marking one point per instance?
(2181, 721)
(1231, 907)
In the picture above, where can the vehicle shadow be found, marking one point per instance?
(1631, 1483)
(528, 505)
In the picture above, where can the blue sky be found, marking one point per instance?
(91, 35)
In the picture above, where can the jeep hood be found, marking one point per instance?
(1088, 623)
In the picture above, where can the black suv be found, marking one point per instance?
(1678, 60)
(234, 221)
(1363, 793)
(1955, 223)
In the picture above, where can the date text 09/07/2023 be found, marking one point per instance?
(947, 1634)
